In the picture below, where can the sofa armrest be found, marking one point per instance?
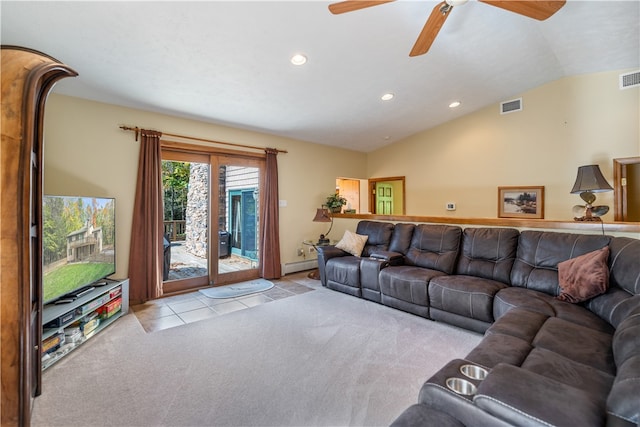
(437, 395)
(393, 258)
(522, 397)
(325, 253)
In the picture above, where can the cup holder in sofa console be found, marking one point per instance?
(474, 372)
(461, 386)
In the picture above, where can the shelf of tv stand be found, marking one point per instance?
(54, 311)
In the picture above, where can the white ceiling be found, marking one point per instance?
(228, 62)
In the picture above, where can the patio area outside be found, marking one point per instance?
(184, 264)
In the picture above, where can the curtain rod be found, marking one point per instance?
(137, 130)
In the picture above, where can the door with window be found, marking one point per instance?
(211, 220)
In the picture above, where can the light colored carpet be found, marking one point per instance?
(318, 359)
(238, 289)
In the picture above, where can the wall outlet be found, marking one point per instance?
(451, 206)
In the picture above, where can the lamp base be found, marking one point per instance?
(588, 218)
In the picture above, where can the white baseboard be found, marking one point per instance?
(294, 267)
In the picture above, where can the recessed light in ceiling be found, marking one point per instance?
(455, 104)
(298, 59)
(387, 96)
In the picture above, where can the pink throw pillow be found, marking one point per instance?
(584, 277)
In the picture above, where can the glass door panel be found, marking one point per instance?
(238, 219)
(186, 225)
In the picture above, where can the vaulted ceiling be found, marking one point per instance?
(228, 62)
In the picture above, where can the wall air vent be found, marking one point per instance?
(511, 106)
(630, 80)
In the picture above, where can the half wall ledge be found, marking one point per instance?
(607, 227)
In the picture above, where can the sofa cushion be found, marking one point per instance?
(520, 323)
(407, 283)
(623, 398)
(488, 253)
(424, 416)
(524, 398)
(613, 306)
(578, 343)
(435, 247)
(623, 269)
(352, 243)
(401, 238)
(500, 348)
(343, 274)
(584, 277)
(512, 297)
(539, 253)
(626, 339)
(464, 295)
(567, 371)
(378, 235)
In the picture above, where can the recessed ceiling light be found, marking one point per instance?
(298, 59)
(455, 104)
(387, 96)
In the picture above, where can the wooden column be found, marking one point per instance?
(27, 78)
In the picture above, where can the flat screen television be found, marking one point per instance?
(78, 243)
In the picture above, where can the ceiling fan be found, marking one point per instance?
(536, 9)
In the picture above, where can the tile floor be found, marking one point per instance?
(178, 310)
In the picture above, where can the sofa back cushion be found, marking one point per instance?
(401, 238)
(435, 247)
(623, 398)
(378, 236)
(538, 255)
(624, 282)
(488, 253)
(623, 268)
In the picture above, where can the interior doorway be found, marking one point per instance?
(387, 195)
(626, 189)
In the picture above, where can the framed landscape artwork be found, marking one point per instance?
(521, 202)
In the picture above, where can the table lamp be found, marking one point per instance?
(589, 181)
(323, 215)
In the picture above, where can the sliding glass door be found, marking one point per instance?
(238, 218)
(211, 220)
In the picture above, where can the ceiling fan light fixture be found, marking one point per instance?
(298, 59)
(454, 3)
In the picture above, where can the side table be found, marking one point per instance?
(314, 274)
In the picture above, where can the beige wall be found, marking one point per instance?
(87, 154)
(564, 124)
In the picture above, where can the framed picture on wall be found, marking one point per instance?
(521, 202)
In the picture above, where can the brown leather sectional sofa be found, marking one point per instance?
(543, 361)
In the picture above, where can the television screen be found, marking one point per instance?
(78, 244)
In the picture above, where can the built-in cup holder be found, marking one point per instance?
(474, 372)
(461, 386)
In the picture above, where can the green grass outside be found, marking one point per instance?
(66, 278)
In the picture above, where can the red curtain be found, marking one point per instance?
(270, 239)
(147, 230)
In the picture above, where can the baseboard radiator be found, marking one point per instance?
(294, 267)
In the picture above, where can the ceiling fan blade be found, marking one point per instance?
(351, 5)
(433, 25)
(536, 9)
